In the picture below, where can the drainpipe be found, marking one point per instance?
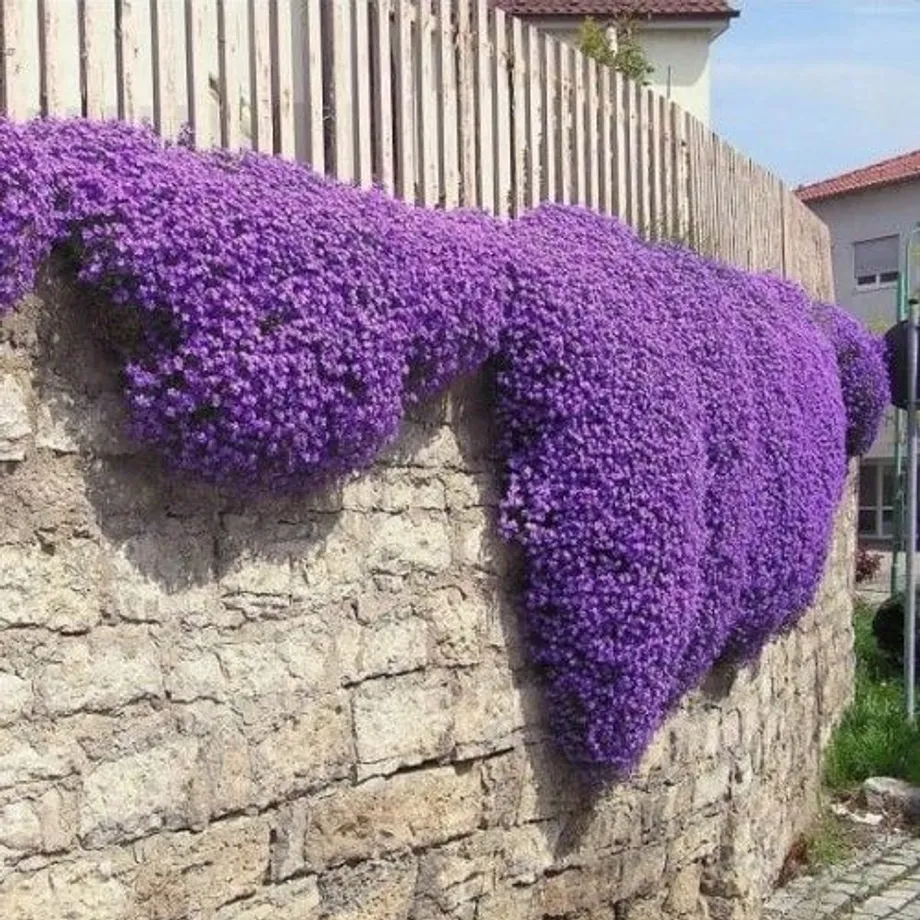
(910, 607)
(900, 505)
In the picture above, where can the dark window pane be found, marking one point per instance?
(867, 520)
(867, 485)
(888, 277)
(866, 279)
(888, 483)
(887, 522)
(873, 257)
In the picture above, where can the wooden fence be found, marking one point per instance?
(444, 102)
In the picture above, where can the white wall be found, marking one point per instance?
(864, 216)
(681, 61)
(679, 52)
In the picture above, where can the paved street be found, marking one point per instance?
(883, 884)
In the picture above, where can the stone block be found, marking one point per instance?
(712, 787)
(301, 752)
(453, 877)
(400, 721)
(127, 798)
(20, 827)
(488, 711)
(295, 900)
(41, 758)
(76, 889)
(57, 591)
(414, 542)
(15, 697)
(458, 617)
(394, 491)
(195, 674)
(192, 875)
(407, 811)
(376, 890)
(388, 646)
(684, 891)
(104, 671)
(15, 427)
(262, 663)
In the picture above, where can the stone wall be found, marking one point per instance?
(243, 709)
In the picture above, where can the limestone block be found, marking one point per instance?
(132, 796)
(712, 786)
(55, 591)
(223, 778)
(378, 890)
(58, 817)
(20, 827)
(15, 427)
(194, 674)
(23, 761)
(103, 671)
(509, 902)
(459, 617)
(475, 542)
(141, 582)
(579, 889)
(296, 659)
(192, 875)
(527, 852)
(410, 810)
(15, 697)
(80, 889)
(295, 900)
(68, 426)
(488, 711)
(388, 646)
(394, 490)
(403, 720)
(684, 891)
(302, 751)
(414, 542)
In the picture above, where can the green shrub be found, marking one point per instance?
(874, 737)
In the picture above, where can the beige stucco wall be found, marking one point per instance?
(864, 216)
(318, 707)
(681, 61)
(679, 53)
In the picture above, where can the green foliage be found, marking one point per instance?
(874, 737)
(628, 57)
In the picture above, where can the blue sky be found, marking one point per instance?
(812, 88)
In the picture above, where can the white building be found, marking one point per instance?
(676, 36)
(870, 212)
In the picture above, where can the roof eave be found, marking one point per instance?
(843, 193)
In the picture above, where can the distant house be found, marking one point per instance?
(676, 36)
(870, 212)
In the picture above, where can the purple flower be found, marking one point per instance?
(674, 431)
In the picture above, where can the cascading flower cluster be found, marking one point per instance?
(863, 375)
(674, 431)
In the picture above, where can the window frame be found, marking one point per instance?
(877, 281)
(877, 508)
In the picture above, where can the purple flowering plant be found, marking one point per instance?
(674, 431)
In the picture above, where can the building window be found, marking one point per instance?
(876, 499)
(875, 262)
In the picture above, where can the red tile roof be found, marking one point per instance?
(888, 172)
(670, 8)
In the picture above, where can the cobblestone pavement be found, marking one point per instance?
(883, 883)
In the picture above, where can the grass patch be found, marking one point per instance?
(874, 738)
(829, 841)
